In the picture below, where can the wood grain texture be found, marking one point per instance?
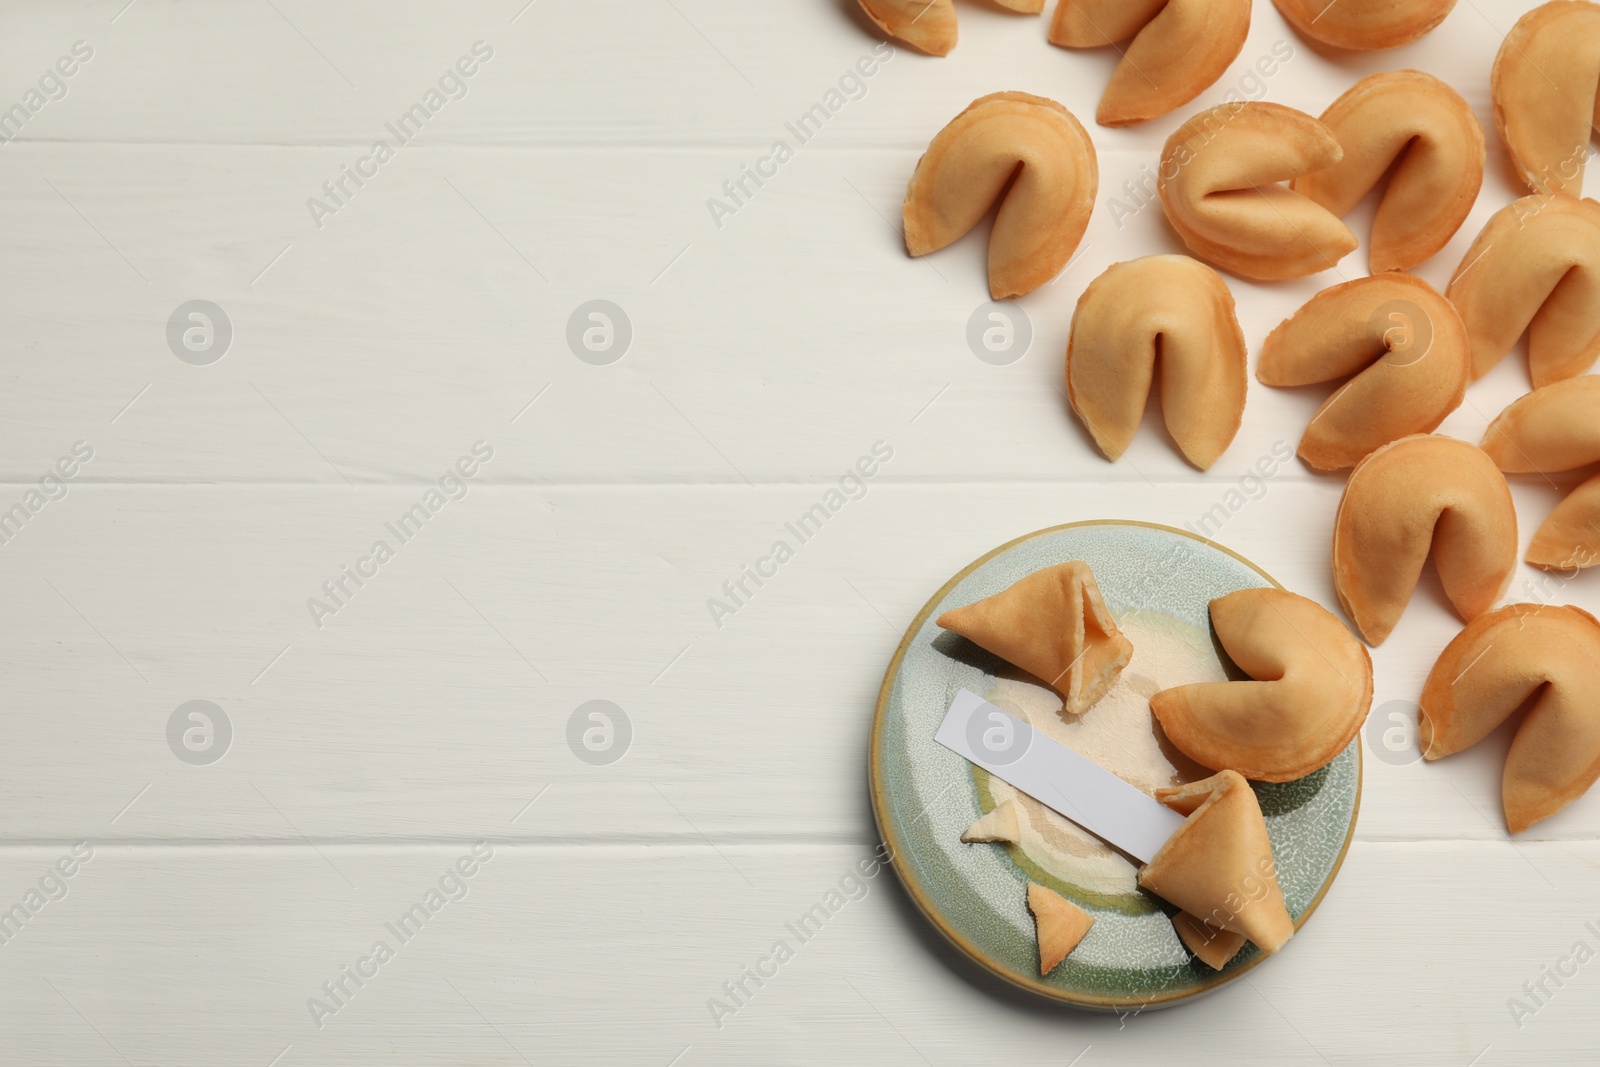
(372, 744)
(610, 953)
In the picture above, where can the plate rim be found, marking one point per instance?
(918, 893)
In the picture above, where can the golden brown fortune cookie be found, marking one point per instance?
(1311, 689)
(1543, 652)
(1059, 924)
(1178, 49)
(1054, 625)
(1534, 268)
(1221, 185)
(1421, 493)
(1400, 345)
(1218, 865)
(1421, 128)
(1547, 431)
(1026, 148)
(1168, 311)
(1364, 25)
(1544, 85)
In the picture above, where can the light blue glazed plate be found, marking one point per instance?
(924, 795)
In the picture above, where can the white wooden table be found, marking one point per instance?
(366, 746)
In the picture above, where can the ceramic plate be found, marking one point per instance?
(1158, 581)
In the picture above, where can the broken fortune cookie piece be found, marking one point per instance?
(929, 26)
(1221, 185)
(1190, 42)
(1059, 923)
(1054, 625)
(1027, 148)
(998, 825)
(1168, 315)
(1313, 692)
(1218, 865)
(1542, 655)
(1212, 946)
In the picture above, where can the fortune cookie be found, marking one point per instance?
(1029, 150)
(1402, 348)
(1421, 494)
(1220, 183)
(1059, 923)
(1178, 49)
(1553, 429)
(1364, 25)
(1544, 89)
(1218, 865)
(1170, 312)
(1422, 129)
(1311, 691)
(1054, 625)
(1535, 267)
(1539, 652)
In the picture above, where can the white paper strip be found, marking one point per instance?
(1056, 776)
